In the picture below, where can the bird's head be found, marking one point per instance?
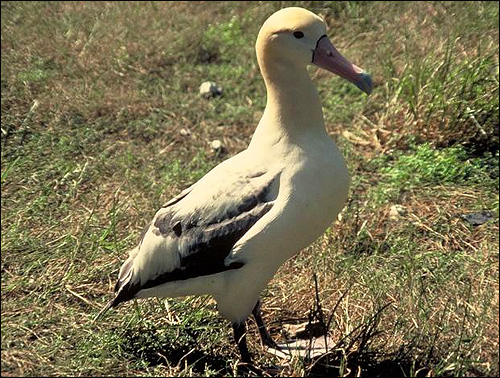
(295, 36)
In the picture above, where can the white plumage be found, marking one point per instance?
(228, 233)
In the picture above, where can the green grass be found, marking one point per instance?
(94, 97)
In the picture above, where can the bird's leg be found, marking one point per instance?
(266, 338)
(240, 338)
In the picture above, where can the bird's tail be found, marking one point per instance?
(124, 293)
(105, 309)
(124, 289)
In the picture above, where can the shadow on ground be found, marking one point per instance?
(367, 364)
(352, 356)
(183, 350)
(148, 346)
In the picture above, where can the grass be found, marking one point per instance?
(94, 98)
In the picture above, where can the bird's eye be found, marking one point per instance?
(298, 34)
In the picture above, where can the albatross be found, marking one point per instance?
(228, 234)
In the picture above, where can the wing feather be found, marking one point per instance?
(189, 237)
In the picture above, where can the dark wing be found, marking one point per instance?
(192, 234)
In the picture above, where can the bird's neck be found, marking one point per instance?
(293, 107)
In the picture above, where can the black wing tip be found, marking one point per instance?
(236, 265)
(123, 295)
(105, 309)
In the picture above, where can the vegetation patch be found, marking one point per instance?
(102, 123)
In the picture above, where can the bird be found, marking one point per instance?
(227, 234)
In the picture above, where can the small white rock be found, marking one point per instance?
(397, 211)
(216, 145)
(210, 89)
(184, 132)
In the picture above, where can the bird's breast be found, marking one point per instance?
(318, 189)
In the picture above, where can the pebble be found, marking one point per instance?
(216, 145)
(478, 218)
(210, 89)
(184, 132)
(397, 211)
